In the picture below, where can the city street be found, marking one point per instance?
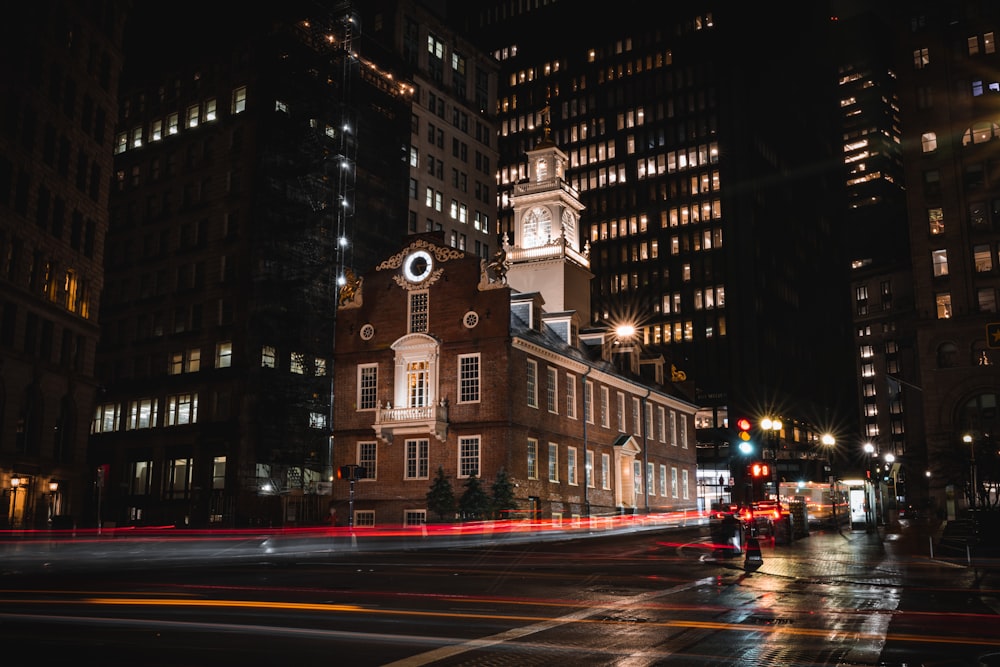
(636, 597)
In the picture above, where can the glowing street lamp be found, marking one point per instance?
(973, 492)
(772, 429)
(15, 482)
(829, 442)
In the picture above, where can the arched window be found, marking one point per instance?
(947, 355)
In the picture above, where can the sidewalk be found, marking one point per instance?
(902, 554)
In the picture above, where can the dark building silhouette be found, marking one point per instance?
(950, 101)
(257, 168)
(59, 69)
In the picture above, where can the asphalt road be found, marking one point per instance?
(658, 597)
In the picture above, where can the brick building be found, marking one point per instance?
(445, 361)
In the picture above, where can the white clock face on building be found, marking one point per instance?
(536, 227)
(418, 266)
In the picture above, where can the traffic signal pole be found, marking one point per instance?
(351, 473)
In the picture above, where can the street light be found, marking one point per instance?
(15, 482)
(870, 515)
(53, 490)
(829, 442)
(772, 427)
(973, 491)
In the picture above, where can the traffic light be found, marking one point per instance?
(759, 470)
(743, 425)
(351, 472)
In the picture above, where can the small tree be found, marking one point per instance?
(441, 497)
(474, 503)
(503, 494)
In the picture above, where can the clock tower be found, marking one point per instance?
(545, 255)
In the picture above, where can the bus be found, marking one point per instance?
(827, 503)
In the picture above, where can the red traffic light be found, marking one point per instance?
(743, 424)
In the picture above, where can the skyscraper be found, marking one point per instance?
(256, 169)
(59, 71)
(703, 148)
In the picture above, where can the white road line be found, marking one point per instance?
(516, 633)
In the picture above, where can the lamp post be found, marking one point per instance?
(870, 509)
(772, 427)
(15, 482)
(53, 490)
(973, 490)
(829, 442)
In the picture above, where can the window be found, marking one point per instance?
(417, 384)
(942, 301)
(932, 183)
(662, 413)
(239, 102)
(935, 220)
(224, 354)
(219, 472)
(684, 432)
(468, 378)
(673, 428)
(928, 142)
(142, 414)
(570, 395)
(651, 478)
(588, 401)
(685, 487)
(673, 482)
(571, 465)
(977, 214)
(552, 389)
(982, 258)
(268, 357)
(532, 383)
(368, 458)
(140, 478)
(179, 475)
(588, 469)
(367, 386)
(107, 418)
(939, 262)
(921, 58)
(364, 518)
(636, 417)
(532, 458)
(419, 304)
(417, 459)
(986, 297)
(553, 462)
(605, 471)
(468, 456)
(414, 517)
(182, 409)
(297, 363)
(663, 480)
(605, 408)
(637, 475)
(317, 420)
(193, 113)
